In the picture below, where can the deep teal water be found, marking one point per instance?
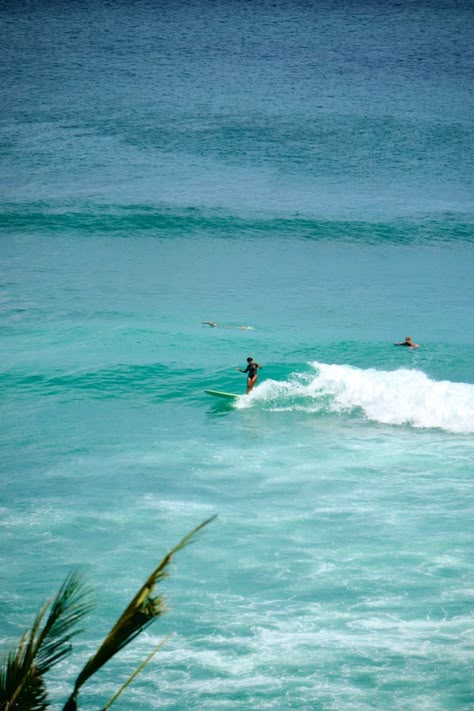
(303, 170)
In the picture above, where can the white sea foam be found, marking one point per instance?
(391, 397)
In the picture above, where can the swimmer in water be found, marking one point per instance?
(407, 342)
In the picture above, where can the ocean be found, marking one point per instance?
(303, 169)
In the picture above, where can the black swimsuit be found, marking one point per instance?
(251, 369)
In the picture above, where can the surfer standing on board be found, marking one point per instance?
(251, 371)
(407, 342)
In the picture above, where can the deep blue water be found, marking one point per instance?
(301, 169)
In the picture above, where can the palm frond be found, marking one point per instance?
(21, 686)
(143, 609)
(132, 676)
(21, 674)
(68, 608)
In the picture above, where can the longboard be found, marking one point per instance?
(218, 393)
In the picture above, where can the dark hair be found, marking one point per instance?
(249, 359)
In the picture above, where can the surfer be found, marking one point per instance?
(217, 325)
(251, 371)
(407, 342)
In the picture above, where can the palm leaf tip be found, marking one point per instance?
(71, 604)
(142, 610)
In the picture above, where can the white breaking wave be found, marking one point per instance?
(391, 397)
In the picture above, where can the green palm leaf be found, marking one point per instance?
(143, 609)
(21, 686)
(132, 676)
(21, 674)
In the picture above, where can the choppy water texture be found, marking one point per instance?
(303, 169)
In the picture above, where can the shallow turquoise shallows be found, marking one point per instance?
(303, 170)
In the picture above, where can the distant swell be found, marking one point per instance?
(391, 397)
(166, 221)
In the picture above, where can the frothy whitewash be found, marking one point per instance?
(396, 397)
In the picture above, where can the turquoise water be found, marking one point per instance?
(302, 170)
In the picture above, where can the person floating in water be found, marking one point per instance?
(220, 325)
(407, 342)
(251, 371)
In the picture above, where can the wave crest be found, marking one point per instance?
(390, 397)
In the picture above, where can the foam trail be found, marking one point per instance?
(391, 397)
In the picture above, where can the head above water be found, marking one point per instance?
(249, 359)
